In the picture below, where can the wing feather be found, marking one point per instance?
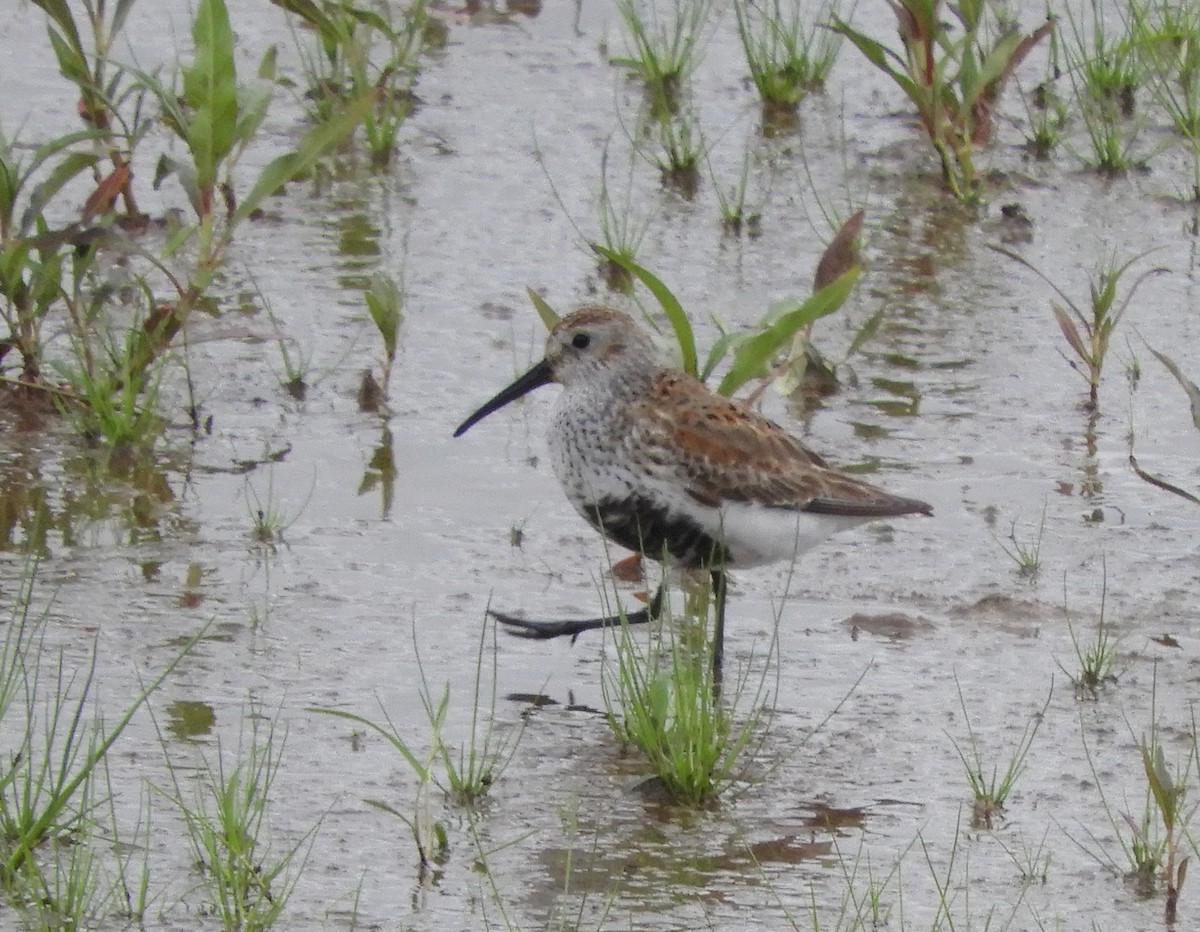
(721, 451)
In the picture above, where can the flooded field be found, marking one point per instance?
(336, 559)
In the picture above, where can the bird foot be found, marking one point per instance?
(544, 630)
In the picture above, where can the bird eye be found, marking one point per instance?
(581, 341)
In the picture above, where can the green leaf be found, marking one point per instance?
(253, 100)
(210, 89)
(878, 55)
(16, 175)
(60, 13)
(8, 197)
(310, 13)
(173, 114)
(267, 68)
(71, 63)
(719, 350)
(549, 316)
(670, 305)
(119, 15)
(993, 68)
(71, 165)
(319, 140)
(384, 303)
(372, 20)
(1161, 785)
(754, 355)
(332, 37)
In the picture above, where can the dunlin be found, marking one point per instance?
(660, 464)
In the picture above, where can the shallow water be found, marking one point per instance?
(398, 537)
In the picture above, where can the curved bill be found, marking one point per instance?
(536, 377)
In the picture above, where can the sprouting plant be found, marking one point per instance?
(473, 768)
(737, 216)
(665, 699)
(788, 55)
(111, 400)
(110, 104)
(1168, 788)
(1089, 333)
(429, 834)
(953, 79)
(1105, 72)
(1168, 41)
(870, 897)
(1105, 65)
(663, 48)
(1027, 554)
(621, 230)
(1047, 116)
(348, 64)
(1096, 660)
(268, 519)
(679, 152)
(55, 743)
(32, 266)
(1032, 861)
(1152, 842)
(1045, 109)
(385, 304)
(217, 117)
(780, 332)
(67, 889)
(990, 791)
(118, 337)
(248, 879)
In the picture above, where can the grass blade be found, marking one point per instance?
(1186, 384)
(549, 316)
(670, 305)
(319, 140)
(752, 358)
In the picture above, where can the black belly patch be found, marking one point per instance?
(642, 525)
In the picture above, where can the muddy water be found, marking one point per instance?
(398, 537)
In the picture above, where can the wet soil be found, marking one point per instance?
(896, 643)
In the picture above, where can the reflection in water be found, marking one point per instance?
(1090, 486)
(907, 400)
(189, 719)
(80, 495)
(657, 855)
(381, 473)
(358, 246)
(779, 121)
(484, 12)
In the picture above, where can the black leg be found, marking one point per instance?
(543, 630)
(718, 588)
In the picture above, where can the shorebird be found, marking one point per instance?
(662, 465)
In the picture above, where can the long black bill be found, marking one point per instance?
(536, 377)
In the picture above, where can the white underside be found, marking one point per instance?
(755, 535)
